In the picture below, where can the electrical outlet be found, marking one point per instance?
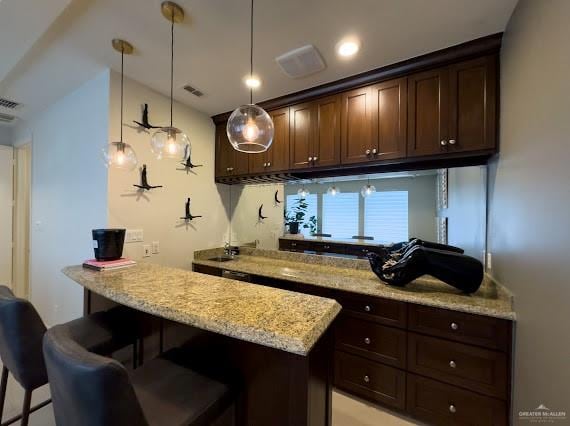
(155, 247)
(489, 260)
(146, 250)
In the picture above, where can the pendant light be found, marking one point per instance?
(367, 190)
(169, 141)
(303, 192)
(333, 190)
(250, 128)
(120, 155)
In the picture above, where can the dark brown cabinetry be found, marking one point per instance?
(439, 110)
(276, 159)
(229, 162)
(440, 366)
(315, 133)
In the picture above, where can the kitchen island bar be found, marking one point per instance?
(274, 343)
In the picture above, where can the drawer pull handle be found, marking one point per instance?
(367, 340)
(367, 379)
(452, 408)
(367, 308)
(452, 364)
(454, 326)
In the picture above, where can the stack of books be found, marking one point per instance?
(109, 265)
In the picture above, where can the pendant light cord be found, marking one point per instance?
(251, 54)
(122, 83)
(171, 64)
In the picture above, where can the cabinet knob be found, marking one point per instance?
(367, 308)
(367, 152)
(269, 164)
(452, 141)
(454, 326)
(367, 340)
(452, 364)
(452, 408)
(443, 142)
(374, 151)
(315, 159)
(327, 247)
(366, 379)
(310, 159)
(293, 244)
(264, 164)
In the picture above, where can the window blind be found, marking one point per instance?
(340, 215)
(386, 216)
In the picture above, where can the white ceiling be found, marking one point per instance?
(48, 51)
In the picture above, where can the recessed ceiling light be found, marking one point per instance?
(252, 82)
(347, 48)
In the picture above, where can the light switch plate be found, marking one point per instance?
(134, 236)
(146, 250)
(155, 247)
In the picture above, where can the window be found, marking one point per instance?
(311, 212)
(340, 215)
(386, 216)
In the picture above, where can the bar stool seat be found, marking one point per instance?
(92, 390)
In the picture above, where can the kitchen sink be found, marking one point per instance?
(221, 259)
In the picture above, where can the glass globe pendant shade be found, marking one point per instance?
(303, 192)
(169, 142)
(333, 190)
(250, 129)
(367, 190)
(120, 156)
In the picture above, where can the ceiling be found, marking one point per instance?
(48, 51)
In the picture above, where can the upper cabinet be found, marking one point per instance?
(453, 109)
(315, 133)
(438, 115)
(276, 158)
(229, 162)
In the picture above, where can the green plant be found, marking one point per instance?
(297, 214)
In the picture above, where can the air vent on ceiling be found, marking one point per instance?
(193, 90)
(8, 104)
(301, 62)
(5, 118)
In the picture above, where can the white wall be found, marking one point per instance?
(529, 225)
(6, 198)
(5, 135)
(158, 212)
(69, 193)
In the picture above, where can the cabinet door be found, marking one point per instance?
(326, 148)
(428, 103)
(473, 103)
(224, 152)
(302, 134)
(356, 129)
(257, 162)
(278, 155)
(389, 119)
(240, 163)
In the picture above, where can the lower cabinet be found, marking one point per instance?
(440, 366)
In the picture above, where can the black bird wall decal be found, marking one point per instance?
(145, 122)
(188, 215)
(187, 163)
(277, 201)
(260, 213)
(144, 182)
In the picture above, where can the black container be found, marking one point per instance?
(108, 243)
(293, 227)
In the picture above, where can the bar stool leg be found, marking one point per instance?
(26, 408)
(3, 387)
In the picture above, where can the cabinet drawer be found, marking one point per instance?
(478, 369)
(479, 330)
(370, 380)
(440, 404)
(383, 311)
(371, 340)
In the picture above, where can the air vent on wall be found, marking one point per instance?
(5, 118)
(301, 62)
(193, 90)
(8, 104)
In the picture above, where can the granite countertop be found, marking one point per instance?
(285, 320)
(353, 275)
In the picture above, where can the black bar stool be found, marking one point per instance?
(91, 390)
(21, 334)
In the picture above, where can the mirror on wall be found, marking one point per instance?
(444, 205)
